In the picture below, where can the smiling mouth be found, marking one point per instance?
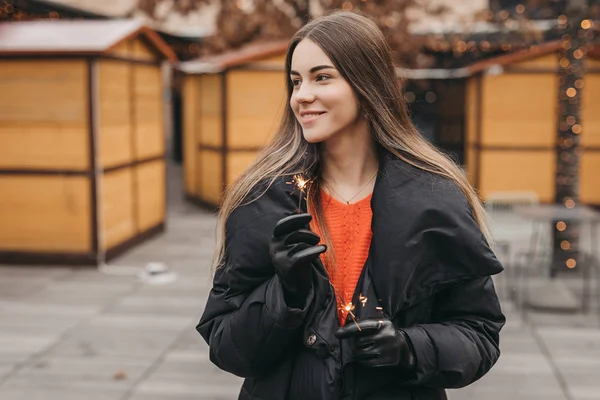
(310, 117)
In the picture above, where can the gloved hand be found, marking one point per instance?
(293, 248)
(379, 344)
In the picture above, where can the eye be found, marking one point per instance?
(296, 82)
(322, 77)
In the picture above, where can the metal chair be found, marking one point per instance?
(500, 206)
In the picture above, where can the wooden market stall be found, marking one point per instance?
(82, 143)
(511, 124)
(231, 106)
(498, 117)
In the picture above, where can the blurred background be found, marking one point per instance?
(122, 121)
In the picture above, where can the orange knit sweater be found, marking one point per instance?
(349, 227)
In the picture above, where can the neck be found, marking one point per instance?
(349, 160)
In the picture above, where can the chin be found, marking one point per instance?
(314, 137)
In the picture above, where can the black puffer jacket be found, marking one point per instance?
(428, 269)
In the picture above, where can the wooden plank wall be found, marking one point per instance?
(203, 140)
(590, 137)
(43, 114)
(516, 148)
(45, 202)
(132, 145)
(518, 134)
(45, 213)
(115, 110)
(255, 100)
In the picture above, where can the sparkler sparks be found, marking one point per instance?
(348, 308)
(362, 299)
(301, 183)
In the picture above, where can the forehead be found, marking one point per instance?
(308, 54)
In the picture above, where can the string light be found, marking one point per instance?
(571, 263)
(569, 202)
(586, 24)
(562, 19)
(461, 46)
(561, 226)
(565, 245)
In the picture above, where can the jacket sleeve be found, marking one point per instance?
(246, 321)
(462, 342)
(248, 336)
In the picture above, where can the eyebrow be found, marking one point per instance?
(313, 69)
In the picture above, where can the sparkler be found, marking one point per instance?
(362, 299)
(348, 308)
(301, 182)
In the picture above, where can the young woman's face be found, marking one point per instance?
(322, 100)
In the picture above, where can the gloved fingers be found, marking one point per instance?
(302, 236)
(367, 327)
(362, 356)
(307, 255)
(295, 248)
(291, 223)
(364, 342)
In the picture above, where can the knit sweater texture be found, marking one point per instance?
(349, 227)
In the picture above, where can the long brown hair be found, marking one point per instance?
(359, 51)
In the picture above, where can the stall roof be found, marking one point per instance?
(66, 37)
(235, 58)
(256, 52)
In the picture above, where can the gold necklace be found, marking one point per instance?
(347, 201)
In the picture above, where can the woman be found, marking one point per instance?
(393, 298)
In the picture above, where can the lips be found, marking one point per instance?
(307, 117)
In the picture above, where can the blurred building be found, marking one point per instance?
(82, 139)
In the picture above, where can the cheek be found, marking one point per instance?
(294, 106)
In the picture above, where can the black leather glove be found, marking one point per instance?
(379, 344)
(293, 248)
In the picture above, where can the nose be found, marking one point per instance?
(303, 94)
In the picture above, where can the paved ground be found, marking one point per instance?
(73, 334)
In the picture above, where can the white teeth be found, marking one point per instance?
(310, 115)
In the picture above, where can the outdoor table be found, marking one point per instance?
(545, 214)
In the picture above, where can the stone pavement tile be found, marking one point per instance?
(517, 343)
(201, 388)
(185, 372)
(556, 320)
(181, 287)
(581, 374)
(190, 342)
(585, 393)
(6, 367)
(510, 392)
(160, 305)
(34, 273)
(16, 324)
(524, 364)
(10, 290)
(17, 348)
(144, 343)
(571, 342)
(207, 392)
(111, 287)
(140, 322)
(32, 308)
(64, 393)
(195, 396)
(83, 372)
